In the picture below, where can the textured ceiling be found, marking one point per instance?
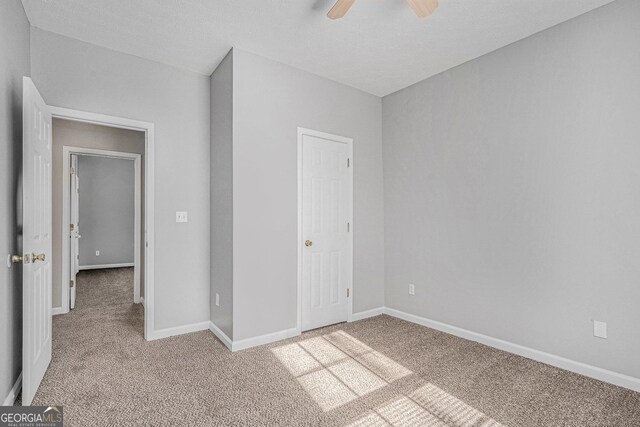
(379, 47)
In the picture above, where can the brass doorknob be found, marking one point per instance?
(308, 243)
(16, 259)
(39, 257)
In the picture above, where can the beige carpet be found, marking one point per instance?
(380, 371)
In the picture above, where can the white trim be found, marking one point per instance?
(137, 218)
(179, 330)
(349, 142)
(142, 301)
(221, 335)
(264, 339)
(611, 377)
(254, 341)
(58, 310)
(149, 202)
(101, 266)
(366, 314)
(13, 393)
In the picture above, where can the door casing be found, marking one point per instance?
(345, 140)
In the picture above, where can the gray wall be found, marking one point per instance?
(86, 135)
(74, 74)
(512, 191)
(107, 210)
(270, 101)
(14, 63)
(222, 195)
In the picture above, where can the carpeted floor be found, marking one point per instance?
(380, 371)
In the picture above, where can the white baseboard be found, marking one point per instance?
(264, 339)
(221, 336)
(178, 330)
(13, 393)
(101, 266)
(58, 310)
(253, 341)
(605, 375)
(366, 314)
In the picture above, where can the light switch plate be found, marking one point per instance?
(97, 253)
(182, 217)
(218, 300)
(600, 329)
(412, 289)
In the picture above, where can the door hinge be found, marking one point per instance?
(348, 227)
(348, 162)
(72, 171)
(348, 292)
(71, 227)
(71, 283)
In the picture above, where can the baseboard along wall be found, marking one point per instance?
(101, 266)
(13, 393)
(178, 330)
(591, 371)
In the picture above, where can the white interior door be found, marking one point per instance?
(37, 219)
(326, 230)
(74, 229)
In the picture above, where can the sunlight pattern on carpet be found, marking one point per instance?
(336, 369)
(429, 405)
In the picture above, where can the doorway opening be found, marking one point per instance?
(104, 206)
(84, 143)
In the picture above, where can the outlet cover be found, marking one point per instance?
(600, 329)
(182, 217)
(97, 253)
(412, 289)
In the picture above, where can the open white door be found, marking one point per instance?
(37, 219)
(74, 229)
(326, 246)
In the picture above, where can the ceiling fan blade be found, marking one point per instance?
(423, 8)
(340, 9)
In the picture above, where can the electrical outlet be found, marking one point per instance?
(97, 253)
(412, 289)
(182, 217)
(600, 329)
(218, 300)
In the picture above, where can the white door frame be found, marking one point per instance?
(149, 270)
(335, 138)
(67, 151)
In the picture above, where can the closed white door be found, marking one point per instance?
(37, 208)
(74, 229)
(326, 229)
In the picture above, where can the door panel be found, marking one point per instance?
(37, 222)
(326, 201)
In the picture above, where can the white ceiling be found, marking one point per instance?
(379, 47)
